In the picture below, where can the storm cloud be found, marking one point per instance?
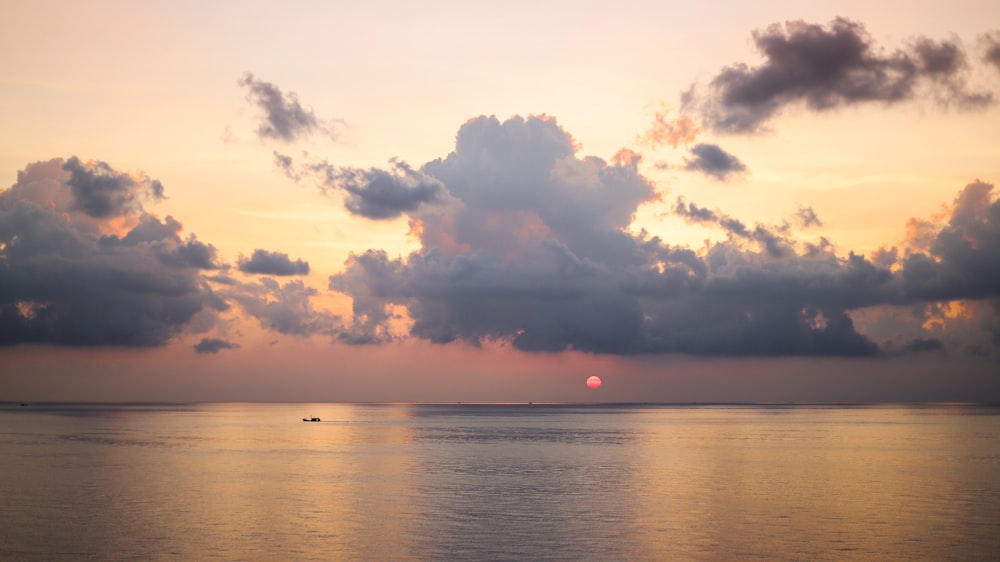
(283, 117)
(535, 250)
(273, 263)
(82, 263)
(712, 161)
(828, 67)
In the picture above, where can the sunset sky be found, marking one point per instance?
(460, 201)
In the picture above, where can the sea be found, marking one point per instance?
(440, 482)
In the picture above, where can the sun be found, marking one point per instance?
(594, 382)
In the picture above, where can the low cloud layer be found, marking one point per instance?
(828, 67)
(264, 262)
(530, 247)
(525, 241)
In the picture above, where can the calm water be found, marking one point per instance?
(463, 482)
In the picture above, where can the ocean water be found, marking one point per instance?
(499, 482)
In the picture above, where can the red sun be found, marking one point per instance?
(594, 382)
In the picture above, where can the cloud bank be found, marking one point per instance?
(532, 248)
(525, 241)
(535, 250)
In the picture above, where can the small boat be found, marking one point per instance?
(311, 419)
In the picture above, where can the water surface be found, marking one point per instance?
(498, 482)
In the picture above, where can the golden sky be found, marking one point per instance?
(444, 201)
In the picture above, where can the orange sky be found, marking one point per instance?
(413, 250)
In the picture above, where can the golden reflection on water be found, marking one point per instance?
(404, 482)
(814, 483)
(333, 489)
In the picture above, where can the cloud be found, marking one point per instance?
(286, 309)
(163, 239)
(372, 193)
(711, 160)
(960, 262)
(286, 164)
(385, 194)
(81, 262)
(78, 272)
(990, 43)
(919, 345)
(679, 130)
(214, 345)
(284, 118)
(769, 239)
(273, 263)
(825, 68)
(102, 192)
(534, 249)
(807, 217)
(529, 244)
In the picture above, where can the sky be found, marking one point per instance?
(449, 201)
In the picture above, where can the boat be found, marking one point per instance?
(311, 419)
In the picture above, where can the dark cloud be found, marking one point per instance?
(770, 239)
(826, 68)
(961, 261)
(273, 263)
(284, 118)
(81, 263)
(534, 249)
(102, 192)
(84, 274)
(386, 194)
(711, 160)
(373, 193)
(529, 243)
(990, 43)
(214, 345)
(918, 345)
